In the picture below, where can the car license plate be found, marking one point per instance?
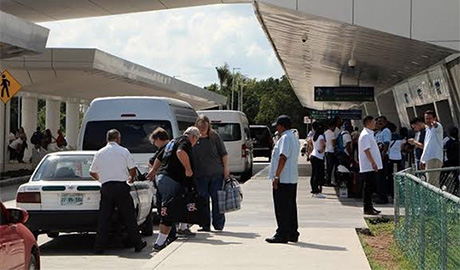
(71, 199)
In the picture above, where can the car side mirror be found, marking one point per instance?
(17, 215)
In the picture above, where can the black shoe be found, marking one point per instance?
(157, 247)
(171, 239)
(204, 229)
(294, 238)
(186, 232)
(140, 246)
(372, 212)
(376, 210)
(276, 240)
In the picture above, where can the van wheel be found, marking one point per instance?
(147, 226)
(33, 262)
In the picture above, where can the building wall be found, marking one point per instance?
(436, 88)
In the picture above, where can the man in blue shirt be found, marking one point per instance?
(283, 174)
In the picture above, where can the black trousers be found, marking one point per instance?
(317, 174)
(330, 166)
(368, 179)
(116, 194)
(285, 199)
(382, 181)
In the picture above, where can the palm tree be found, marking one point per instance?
(223, 73)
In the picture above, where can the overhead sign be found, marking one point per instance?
(344, 114)
(306, 120)
(10, 86)
(344, 93)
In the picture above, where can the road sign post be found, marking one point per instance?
(10, 87)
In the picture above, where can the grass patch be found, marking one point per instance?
(380, 248)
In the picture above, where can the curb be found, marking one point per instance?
(14, 181)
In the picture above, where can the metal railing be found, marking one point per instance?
(427, 220)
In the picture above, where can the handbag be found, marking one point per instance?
(230, 197)
(187, 207)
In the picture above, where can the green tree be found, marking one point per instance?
(264, 100)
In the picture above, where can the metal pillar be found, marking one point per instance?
(4, 131)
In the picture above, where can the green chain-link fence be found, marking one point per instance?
(428, 219)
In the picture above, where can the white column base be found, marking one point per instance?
(72, 124)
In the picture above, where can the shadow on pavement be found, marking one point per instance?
(82, 245)
(320, 247)
(238, 234)
(208, 239)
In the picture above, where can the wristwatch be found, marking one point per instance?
(276, 178)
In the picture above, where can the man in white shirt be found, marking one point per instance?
(330, 157)
(370, 162)
(114, 166)
(283, 174)
(432, 155)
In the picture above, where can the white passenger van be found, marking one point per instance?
(233, 127)
(136, 118)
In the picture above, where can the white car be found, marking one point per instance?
(61, 196)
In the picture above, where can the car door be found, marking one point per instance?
(12, 246)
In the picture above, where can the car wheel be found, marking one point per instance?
(147, 226)
(53, 234)
(33, 262)
(247, 174)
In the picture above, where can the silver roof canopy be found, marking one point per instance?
(383, 59)
(85, 74)
(19, 37)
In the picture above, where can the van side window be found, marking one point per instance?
(184, 125)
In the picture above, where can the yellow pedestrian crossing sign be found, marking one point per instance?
(10, 86)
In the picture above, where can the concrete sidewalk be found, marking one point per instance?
(328, 238)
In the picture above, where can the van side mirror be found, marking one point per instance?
(17, 215)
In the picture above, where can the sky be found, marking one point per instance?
(187, 43)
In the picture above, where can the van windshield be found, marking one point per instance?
(135, 134)
(227, 131)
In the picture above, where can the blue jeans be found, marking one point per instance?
(167, 188)
(208, 187)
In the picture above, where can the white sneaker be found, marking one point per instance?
(320, 196)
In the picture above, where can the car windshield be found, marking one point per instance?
(64, 167)
(227, 131)
(135, 134)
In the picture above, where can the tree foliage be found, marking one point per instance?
(264, 100)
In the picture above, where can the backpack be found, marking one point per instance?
(36, 137)
(339, 151)
(339, 146)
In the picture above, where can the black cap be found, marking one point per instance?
(283, 120)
